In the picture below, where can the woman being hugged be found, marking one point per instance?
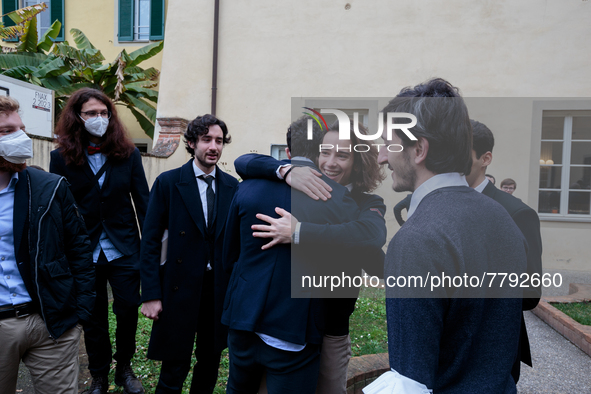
(105, 173)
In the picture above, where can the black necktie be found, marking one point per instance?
(399, 207)
(210, 195)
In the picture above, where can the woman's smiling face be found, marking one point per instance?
(336, 164)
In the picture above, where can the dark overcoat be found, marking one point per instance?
(175, 205)
(529, 223)
(109, 207)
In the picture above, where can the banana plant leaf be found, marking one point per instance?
(145, 124)
(139, 74)
(50, 35)
(20, 72)
(52, 68)
(85, 56)
(80, 39)
(28, 41)
(56, 83)
(146, 108)
(144, 53)
(10, 32)
(67, 90)
(27, 13)
(10, 60)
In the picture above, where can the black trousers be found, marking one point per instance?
(205, 372)
(124, 277)
(287, 372)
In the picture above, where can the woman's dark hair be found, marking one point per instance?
(72, 137)
(200, 126)
(367, 174)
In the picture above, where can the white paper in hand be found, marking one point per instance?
(392, 382)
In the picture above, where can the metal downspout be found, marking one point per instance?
(214, 77)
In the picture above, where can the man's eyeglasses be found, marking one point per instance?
(94, 114)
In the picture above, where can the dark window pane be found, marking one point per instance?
(581, 128)
(552, 128)
(549, 202)
(578, 203)
(550, 177)
(551, 151)
(580, 152)
(580, 178)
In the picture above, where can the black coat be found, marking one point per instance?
(265, 293)
(528, 222)
(53, 251)
(110, 207)
(175, 205)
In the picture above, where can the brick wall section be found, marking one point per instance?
(171, 132)
(365, 369)
(578, 334)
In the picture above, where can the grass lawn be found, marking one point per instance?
(368, 336)
(579, 311)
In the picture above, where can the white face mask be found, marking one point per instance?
(96, 126)
(16, 147)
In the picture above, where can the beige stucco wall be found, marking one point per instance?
(270, 52)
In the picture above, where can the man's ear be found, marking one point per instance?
(288, 153)
(421, 148)
(487, 159)
(191, 144)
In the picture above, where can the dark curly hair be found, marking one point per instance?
(442, 119)
(367, 173)
(298, 142)
(72, 137)
(200, 126)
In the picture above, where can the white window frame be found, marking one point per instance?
(571, 108)
(22, 5)
(136, 23)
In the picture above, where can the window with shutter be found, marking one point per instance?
(141, 20)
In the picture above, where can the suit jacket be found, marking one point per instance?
(110, 207)
(528, 222)
(364, 239)
(260, 298)
(175, 205)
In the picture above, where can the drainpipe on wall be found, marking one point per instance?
(214, 77)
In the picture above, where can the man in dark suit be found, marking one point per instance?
(275, 327)
(526, 219)
(450, 338)
(184, 294)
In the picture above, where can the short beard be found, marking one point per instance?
(408, 177)
(6, 166)
(204, 163)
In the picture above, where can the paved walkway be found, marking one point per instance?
(559, 366)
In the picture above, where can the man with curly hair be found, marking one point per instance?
(183, 288)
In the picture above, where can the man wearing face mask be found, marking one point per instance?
(46, 275)
(105, 172)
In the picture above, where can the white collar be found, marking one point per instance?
(482, 185)
(435, 182)
(198, 171)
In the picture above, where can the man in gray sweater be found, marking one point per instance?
(452, 324)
